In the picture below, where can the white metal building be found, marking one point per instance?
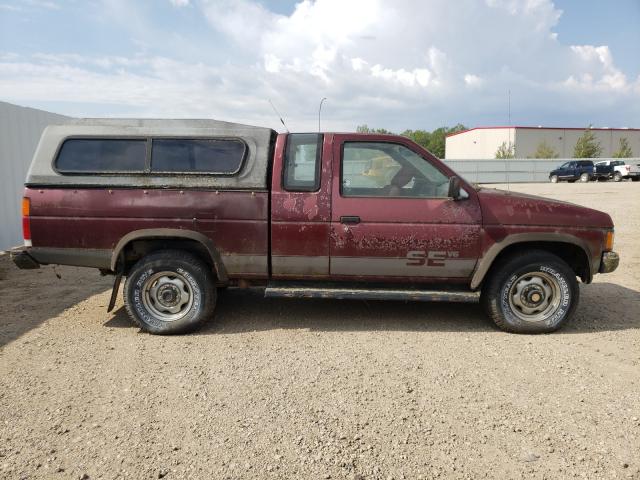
(482, 142)
(20, 130)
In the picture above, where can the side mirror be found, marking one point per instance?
(454, 188)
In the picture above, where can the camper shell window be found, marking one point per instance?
(101, 155)
(167, 156)
(203, 156)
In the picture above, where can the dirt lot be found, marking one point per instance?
(322, 389)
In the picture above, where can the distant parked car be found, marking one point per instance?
(616, 170)
(608, 169)
(582, 170)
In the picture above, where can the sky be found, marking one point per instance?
(396, 65)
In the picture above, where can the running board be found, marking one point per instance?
(297, 291)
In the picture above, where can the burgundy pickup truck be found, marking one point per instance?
(181, 208)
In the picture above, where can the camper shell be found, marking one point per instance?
(252, 174)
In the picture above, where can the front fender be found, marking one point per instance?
(492, 253)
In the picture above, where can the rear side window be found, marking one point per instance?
(96, 155)
(302, 162)
(216, 156)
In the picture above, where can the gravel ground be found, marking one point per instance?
(322, 389)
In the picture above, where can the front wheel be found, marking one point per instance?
(532, 293)
(169, 291)
(584, 177)
(553, 179)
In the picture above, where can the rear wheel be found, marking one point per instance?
(532, 293)
(617, 177)
(169, 291)
(635, 179)
(584, 177)
(553, 179)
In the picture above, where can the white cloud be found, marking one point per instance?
(241, 20)
(472, 80)
(9, 8)
(358, 64)
(23, 5)
(180, 3)
(272, 64)
(397, 65)
(46, 4)
(599, 71)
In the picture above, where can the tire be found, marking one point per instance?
(169, 291)
(617, 177)
(635, 179)
(584, 177)
(553, 179)
(534, 273)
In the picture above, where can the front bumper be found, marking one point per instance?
(22, 259)
(609, 262)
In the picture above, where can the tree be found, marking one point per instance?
(587, 145)
(624, 151)
(438, 139)
(433, 141)
(505, 151)
(545, 150)
(421, 137)
(365, 129)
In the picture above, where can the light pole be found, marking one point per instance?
(320, 111)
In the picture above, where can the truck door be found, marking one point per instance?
(301, 206)
(562, 170)
(392, 219)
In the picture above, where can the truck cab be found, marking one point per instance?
(369, 208)
(616, 170)
(181, 208)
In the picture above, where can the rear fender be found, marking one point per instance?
(173, 234)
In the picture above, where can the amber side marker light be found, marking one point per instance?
(26, 206)
(26, 224)
(608, 242)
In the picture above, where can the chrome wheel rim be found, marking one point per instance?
(535, 296)
(167, 296)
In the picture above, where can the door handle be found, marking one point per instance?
(353, 219)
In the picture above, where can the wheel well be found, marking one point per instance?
(572, 254)
(136, 249)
